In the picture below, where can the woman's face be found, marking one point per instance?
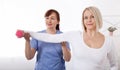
(89, 20)
(51, 21)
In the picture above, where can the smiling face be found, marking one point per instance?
(51, 21)
(89, 20)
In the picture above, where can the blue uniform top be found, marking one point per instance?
(49, 55)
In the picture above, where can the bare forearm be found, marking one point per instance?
(28, 51)
(66, 53)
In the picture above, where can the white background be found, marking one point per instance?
(29, 15)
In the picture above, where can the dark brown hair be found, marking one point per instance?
(49, 12)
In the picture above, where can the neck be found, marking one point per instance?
(51, 31)
(91, 33)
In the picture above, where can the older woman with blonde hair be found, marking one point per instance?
(97, 45)
(90, 48)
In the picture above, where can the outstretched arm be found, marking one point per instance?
(54, 38)
(112, 56)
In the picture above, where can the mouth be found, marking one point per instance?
(89, 24)
(49, 24)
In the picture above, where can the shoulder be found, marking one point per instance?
(58, 32)
(42, 31)
(74, 32)
(109, 42)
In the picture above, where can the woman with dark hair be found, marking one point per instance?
(50, 56)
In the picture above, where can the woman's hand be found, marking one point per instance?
(66, 51)
(63, 44)
(27, 36)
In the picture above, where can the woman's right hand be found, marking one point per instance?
(27, 36)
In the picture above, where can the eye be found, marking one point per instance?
(46, 17)
(53, 18)
(92, 16)
(85, 17)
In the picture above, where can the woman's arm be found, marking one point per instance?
(29, 52)
(66, 51)
(54, 38)
(112, 60)
(112, 56)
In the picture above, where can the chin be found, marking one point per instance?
(90, 28)
(49, 27)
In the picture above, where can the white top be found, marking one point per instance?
(86, 58)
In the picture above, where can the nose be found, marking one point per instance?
(89, 19)
(49, 20)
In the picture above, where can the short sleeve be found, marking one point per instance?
(68, 45)
(34, 43)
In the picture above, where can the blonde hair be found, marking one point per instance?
(97, 15)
